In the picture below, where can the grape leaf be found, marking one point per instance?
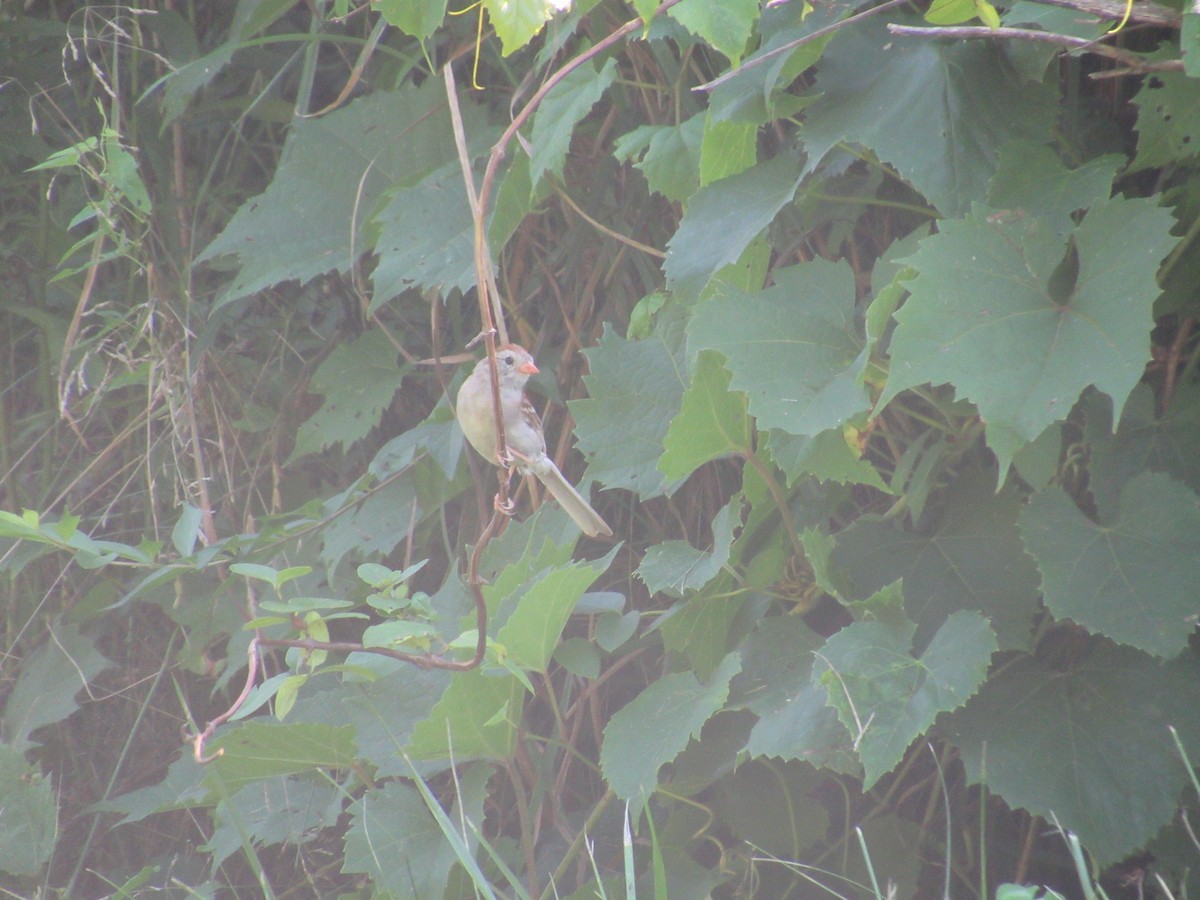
(885, 696)
(668, 155)
(288, 809)
(678, 567)
(776, 683)
(426, 238)
(1144, 440)
(420, 18)
(49, 679)
(1168, 120)
(678, 704)
(1031, 177)
(304, 225)
(635, 389)
(560, 111)
(517, 22)
(727, 148)
(1089, 745)
(825, 456)
(1133, 578)
(535, 626)
(794, 349)
(712, 422)
(937, 111)
(476, 716)
(988, 315)
(358, 380)
(971, 557)
(393, 838)
(256, 750)
(726, 26)
(723, 218)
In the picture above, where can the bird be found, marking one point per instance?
(522, 428)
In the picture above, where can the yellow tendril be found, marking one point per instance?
(478, 40)
(1124, 19)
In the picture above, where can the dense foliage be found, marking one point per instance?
(875, 332)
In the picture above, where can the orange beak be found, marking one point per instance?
(527, 368)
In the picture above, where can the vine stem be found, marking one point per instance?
(1131, 60)
(777, 495)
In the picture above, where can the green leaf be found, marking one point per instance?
(186, 530)
(677, 567)
(668, 155)
(518, 21)
(700, 629)
(256, 750)
(420, 18)
(725, 26)
(181, 788)
(292, 809)
(289, 688)
(758, 92)
(384, 711)
(678, 704)
(826, 456)
(476, 716)
(760, 801)
(1145, 440)
(886, 697)
(645, 9)
(1168, 120)
(634, 391)
(1133, 578)
(393, 839)
(29, 825)
(358, 380)
(1031, 178)
(614, 629)
(987, 315)
(535, 626)
(1189, 43)
(579, 657)
(727, 149)
(969, 558)
(723, 218)
(937, 111)
(560, 111)
(794, 349)
(950, 12)
(987, 13)
(303, 226)
(712, 422)
(22, 527)
(776, 683)
(426, 239)
(50, 677)
(1088, 744)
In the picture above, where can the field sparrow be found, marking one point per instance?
(522, 428)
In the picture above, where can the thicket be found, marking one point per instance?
(875, 331)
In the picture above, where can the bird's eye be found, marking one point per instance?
(507, 360)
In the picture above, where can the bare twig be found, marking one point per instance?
(1114, 10)
(1134, 62)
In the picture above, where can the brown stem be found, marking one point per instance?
(1132, 60)
(1115, 10)
(777, 495)
(1174, 355)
